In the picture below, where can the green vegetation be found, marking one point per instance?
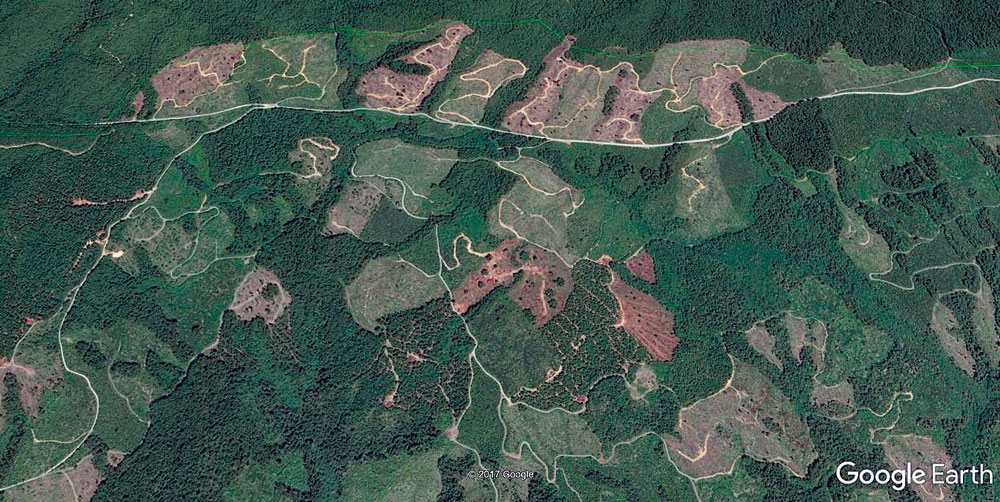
(746, 108)
(638, 471)
(509, 344)
(617, 413)
(524, 360)
(802, 137)
(841, 252)
(398, 478)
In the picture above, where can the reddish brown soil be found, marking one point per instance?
(641, 265)
(137, 102)
(723, 111)
(250, 301)
(199, 72)
(714, 94)
(525, 116)
(385, 88)
(498, 270)
(625, 119)
(441, 53)
(645, 319)
(405, 92)
(765, 104)
(545, 284)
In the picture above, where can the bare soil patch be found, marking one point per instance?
(386, 286)
(833, 401)
(260, 295)
(475, 87)
(796, 328)
(571, 100)
(749, 415)
(644, 380)
(716, 95)
(115, 457)
(943, 321)
(763, 342)
(645, 377)
(316, 154)
(922, 453)
(353, 209)
(139, 194)
(137, 102)
(701, 451)
(641, 265)
(52, 487)
(200, 71)
(384, 88)
(528, 115)
(545, 284)
(765, 104)
(33, 383)
(86, 478)
(625, 118)
(644, 318)
(700, 73)
(677, 65)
